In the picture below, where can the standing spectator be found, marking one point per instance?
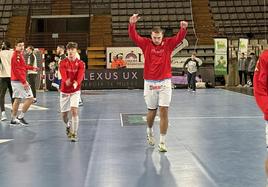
(157, 74)
(251, 68)
(242, 67)
(261, 91)
(32, 75)
(72, 72)
(21, 88)
(5, 83)
(60, 56)
(192, 65)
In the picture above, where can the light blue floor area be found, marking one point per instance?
(215, 139)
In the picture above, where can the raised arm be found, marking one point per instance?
(175, 40)
(134, 36)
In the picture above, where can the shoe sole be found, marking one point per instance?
(151, 143)
(74, 140)
(161, 150)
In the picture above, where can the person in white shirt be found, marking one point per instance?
(5, 74)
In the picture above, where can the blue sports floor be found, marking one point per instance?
(215, 139)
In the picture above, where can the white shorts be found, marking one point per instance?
(157, 93)
(19, 91)
(68, 100)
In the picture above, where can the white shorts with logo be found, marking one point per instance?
(68, 100)
(19, 91)
(157, 93)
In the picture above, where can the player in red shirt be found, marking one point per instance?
(72, 71)
(157, 74)
(261, 90)
(21, 88)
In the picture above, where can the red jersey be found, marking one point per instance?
(19, 68)
(73, 70)
(157, 64)
(261, 83)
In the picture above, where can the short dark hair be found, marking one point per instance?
(61, 46)
(17, 41)
(6, 45)
(31, 47)
(157, 30)
(71, 45)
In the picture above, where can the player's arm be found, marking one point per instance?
(64, 78)
(81, 74)
(133, 34)
(186, 62)
(263, 78)
(175, 40)
(262, 96)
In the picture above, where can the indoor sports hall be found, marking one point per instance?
(216, 134)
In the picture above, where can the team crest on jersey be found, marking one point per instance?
(18, 58)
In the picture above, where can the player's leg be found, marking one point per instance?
(65, 109)
(164, 102)
(151, 100)
(3, 88)
(28, 95)
(74, 99)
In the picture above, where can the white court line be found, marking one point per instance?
(172, 118)
(5, 140)
(121, 120)
(237, 93)
(32, 107)
(217, 117)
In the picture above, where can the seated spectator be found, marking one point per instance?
(118, 62)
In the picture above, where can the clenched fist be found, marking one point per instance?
(184, 24)
(134, 18)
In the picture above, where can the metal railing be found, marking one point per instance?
(51, 40)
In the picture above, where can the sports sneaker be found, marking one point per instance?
(23, 122)
(14, 122)
(80, 103)
(162, 147)
(55, 85)
(34, 100)
(3, 116)
(68, 132)
(74, 137)
(150, 139)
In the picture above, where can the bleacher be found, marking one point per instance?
(164, 13)
(239, 18)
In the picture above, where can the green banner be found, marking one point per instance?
(220, 60)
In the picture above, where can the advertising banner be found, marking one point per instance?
(221, 60)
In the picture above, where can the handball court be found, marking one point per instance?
(215, 139)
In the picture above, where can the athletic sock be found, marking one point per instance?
(21, 115)
(75, 124)
(162, 138)
(149, 131)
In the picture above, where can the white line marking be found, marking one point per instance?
(171, 118)
(121, 119)
(5, 140)
(32, 107)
